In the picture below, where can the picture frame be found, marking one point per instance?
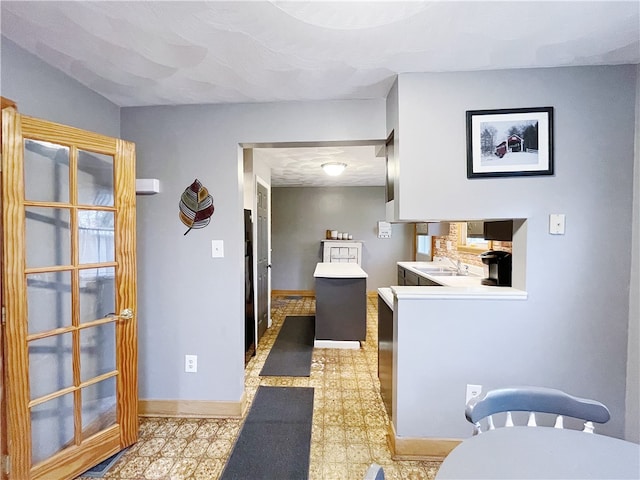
(510, 142)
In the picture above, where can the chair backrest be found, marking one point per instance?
(374, 472)
(534, 400)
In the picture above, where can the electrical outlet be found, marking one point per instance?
(472, 391)
(191, 363)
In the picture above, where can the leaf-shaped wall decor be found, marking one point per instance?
(196, 206)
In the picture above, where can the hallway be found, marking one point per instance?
(349, 422)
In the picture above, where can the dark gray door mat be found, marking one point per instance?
(275, 440)
(99, 470)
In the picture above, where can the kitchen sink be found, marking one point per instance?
(435, 270)
(443, 272)
(448, 273)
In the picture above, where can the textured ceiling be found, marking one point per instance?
(167, 53)
(163, 52)
(302, 167)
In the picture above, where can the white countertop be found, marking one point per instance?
(339, 270)
(387, 295)
(454, 287)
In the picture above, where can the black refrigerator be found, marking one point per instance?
(249, 311)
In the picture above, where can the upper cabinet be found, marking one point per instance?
(391, 182)
(392, 151)
(432, 228)
(475, 229)
(499, 230)
(390, 169)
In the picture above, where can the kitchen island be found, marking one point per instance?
(341, 305)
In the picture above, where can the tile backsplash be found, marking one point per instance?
(463, 256)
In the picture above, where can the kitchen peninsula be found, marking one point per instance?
(341, 304)
(436, 339)
(439, 274)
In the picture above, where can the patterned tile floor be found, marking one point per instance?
(349, 422)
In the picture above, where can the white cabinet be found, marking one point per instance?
(342, 251)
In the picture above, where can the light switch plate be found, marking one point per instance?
(217, 248)
(556, 223)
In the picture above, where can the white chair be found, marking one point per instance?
(534, 400)
(374, 472)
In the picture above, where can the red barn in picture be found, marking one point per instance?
(501, 149)
(515, 143)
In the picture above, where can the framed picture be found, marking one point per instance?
(510, 142)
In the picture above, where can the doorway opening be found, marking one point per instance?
(297, 164)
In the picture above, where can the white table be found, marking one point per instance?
(541, 453)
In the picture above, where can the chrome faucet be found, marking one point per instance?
(458, 265)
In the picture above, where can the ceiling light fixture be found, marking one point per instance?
(334, 168)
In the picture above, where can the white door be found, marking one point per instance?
(262, 240)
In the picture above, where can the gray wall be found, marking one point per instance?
(578, 284)
(43, 91)
(632, 430)
(300, 217)
(188, 302)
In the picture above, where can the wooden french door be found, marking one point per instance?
(69, 292)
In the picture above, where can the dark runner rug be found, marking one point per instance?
(291, 353)
(275, 440)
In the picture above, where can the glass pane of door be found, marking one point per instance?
(46, 165)
(96, 236)
(97, 350)
(50, 364)
(48, 237)
(98, 407)
(97, 293)
(95, 178)
(48, 301)
(52, 427)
